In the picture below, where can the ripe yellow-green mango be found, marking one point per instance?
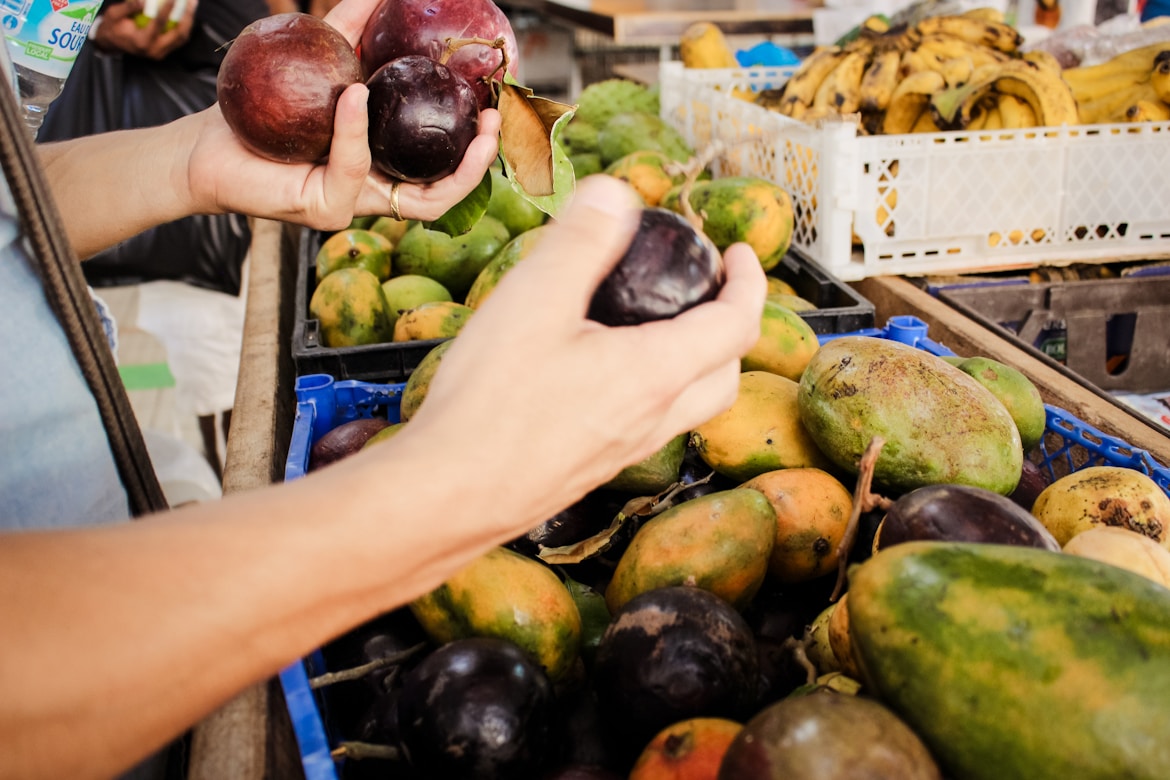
(645, 171)
(1016, 392)
(785, 346)
(509, 596)
(720, 542)
(414, 391)
(350, 309)
(432, 320)
(512, 252)
(654, 473)
(761, 431)
(355, 248)
(742, 208)
(939, 425)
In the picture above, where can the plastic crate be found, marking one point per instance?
(839, 308)
(388, 362)
(936, 202)
(323, 403)
(1068, 444)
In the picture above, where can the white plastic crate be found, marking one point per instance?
(936, 202)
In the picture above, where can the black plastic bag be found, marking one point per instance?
(106, 92)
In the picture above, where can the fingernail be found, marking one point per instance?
(607, 194)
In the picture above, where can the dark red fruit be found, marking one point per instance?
(668, 268)
(1033, 480)
(670, 654)
(423, 116)
(344, 440)
(279, 83)
(476, 709)
(400, 27)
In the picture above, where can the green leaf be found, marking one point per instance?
(462, 217)
(529, 149)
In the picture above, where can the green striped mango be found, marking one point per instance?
(1017, 662)
(350, 308)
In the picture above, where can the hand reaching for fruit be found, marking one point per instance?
(119, 30)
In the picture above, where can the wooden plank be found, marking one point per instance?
(893, 296)
(245, 739)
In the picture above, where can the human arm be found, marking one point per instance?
(118, 30)
(195, 165)
(129, 634)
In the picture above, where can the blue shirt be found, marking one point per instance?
(56, 467)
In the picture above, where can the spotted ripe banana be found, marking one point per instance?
(1014, 113)
(1160, 77)
(1148, 111)
(1044, 59)
(1111, 107)
(995, 35)
(985, 14)
(994, 119)
(879, 80)
(1047, 94)
(845, 80)
(1138, 61)
(802, 86)
(948, 47)
(910, 98)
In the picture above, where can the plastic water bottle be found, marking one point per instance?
(43, 38)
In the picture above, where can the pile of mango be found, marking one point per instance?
(858, 567)
(383, 281)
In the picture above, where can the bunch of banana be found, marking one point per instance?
(1134, 86)
(886, 77)
(967, 106)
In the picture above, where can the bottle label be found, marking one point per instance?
(46, 35)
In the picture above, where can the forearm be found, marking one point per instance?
(112, 186)
(129, 635)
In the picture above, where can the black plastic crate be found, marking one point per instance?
(839, 309)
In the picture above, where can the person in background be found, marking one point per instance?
(120, 635)
(140, 75)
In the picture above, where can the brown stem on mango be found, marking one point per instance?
(799, 649)
(359, 750)
(691, 170)
(863, 501)
(358, 672)
(455, 44)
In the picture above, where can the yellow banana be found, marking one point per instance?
(924, 123)
(996, 35)
(811, 72)
(1140, 60)
(985, 14)
(1044, 59)
(1160, 78)
(1014, 113)
(846, 95)
(978, 119)
(953, 107)
(994, 119)
(1045, 91)
(1106, 84)
(879, 80)
(1148, 111)
(910, 98)
(949, 47)
(1111, 108)
(703, 45)
(918, 60)
(826, 89)
(957, 71)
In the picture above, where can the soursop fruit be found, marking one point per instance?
(579, 137)
(638, 131)
(602, 100)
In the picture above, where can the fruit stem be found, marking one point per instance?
(691, 170)
(358, 672)
(863, 501)
(455, 44)
(799, 649)
(359, 750)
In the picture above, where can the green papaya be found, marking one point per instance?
(939, 425)
(1018, 662)
(720, 542)
(350, 308)
(509, 596)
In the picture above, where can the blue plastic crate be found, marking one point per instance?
(1068, 445)
(323, 403)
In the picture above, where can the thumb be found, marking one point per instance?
(349, 152)
(585, 242)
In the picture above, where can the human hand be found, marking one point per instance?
(226, 177)
(544, 405)
(119, 31)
